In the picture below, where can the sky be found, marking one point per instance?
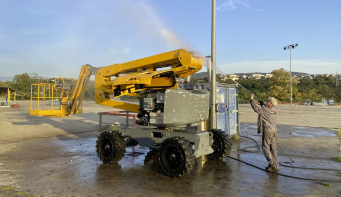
(55, 38)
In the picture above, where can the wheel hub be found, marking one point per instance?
(173, 157)
(107, 148)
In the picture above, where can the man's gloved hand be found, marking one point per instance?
(261, 103)
(252, 96)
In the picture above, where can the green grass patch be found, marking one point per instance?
(235, 137)
(337, 159)
(7, 187)
(326, 184)
(21, 192)
(339, 134)
(339, 174)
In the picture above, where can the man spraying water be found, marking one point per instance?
(267, 116)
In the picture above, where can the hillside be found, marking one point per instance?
(198, 75)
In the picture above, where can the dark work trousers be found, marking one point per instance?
(269, 143)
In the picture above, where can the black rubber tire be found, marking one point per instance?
(176, 156)
(221, 145)
(110, 146)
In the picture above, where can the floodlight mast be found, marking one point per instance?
(289, 47)
(213, 91)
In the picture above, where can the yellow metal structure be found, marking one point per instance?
(117, 80)
(9, 91)
(142, 74)
(60, 90)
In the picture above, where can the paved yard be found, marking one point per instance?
(57, 157)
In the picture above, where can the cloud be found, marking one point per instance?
(232, 5)
(126, 51)
(310, 66)
(112, 51)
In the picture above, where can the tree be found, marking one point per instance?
(89, 93)
(193, 80)
(35, 78)
(22, 85)
(203, 79)
(280, 85)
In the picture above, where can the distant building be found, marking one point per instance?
(233, 77)
(268, 75)
(180, 80)
(257, 76)
(307, 77)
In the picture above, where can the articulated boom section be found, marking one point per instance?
(137, 76)
(76, 99)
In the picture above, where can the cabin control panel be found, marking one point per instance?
(148, 104)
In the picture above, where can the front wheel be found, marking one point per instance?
(176, 156)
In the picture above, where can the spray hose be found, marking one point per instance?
(281, 163)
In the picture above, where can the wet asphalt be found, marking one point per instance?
(67, 165)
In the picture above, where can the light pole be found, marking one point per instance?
(285, 48)
(213, 67)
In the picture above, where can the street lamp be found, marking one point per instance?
(285, 48)
(213, 88)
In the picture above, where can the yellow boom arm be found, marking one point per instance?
(76, 99)
(130, 77)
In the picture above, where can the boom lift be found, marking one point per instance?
(60, 88)
(170, 118)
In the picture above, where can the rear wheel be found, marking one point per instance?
(110, 146)
(221, 145)
(176, 156)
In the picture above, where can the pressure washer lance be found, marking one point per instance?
(260, 101)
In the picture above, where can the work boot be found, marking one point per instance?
(275, 168)
(272, 168)
(268, 168)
